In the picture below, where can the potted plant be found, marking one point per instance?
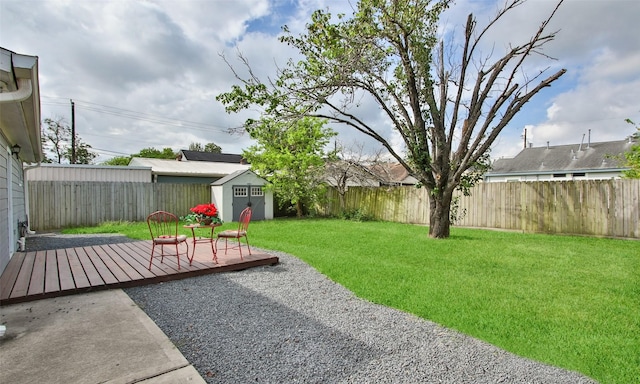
(204, 214)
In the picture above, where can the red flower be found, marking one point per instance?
(209, 210)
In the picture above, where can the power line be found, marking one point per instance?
(109, 152)
(140, 116)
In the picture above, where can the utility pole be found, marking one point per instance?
(73, 132)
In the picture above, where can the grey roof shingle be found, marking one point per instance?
(572, 157)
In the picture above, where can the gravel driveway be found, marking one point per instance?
(290, 324)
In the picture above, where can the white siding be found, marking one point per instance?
(268, 205)
(5, 249)
(217, 196)
(12, 202)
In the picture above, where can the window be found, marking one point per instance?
(559, 175)
(257, 191)
(240, 192)
(579, 174)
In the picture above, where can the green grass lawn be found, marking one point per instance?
(572, 302)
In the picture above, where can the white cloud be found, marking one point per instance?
(213, 21)
(597, 43)
(160, 58)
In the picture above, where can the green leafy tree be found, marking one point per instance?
(56, 139)
(209, 147)
(118, 160)
(83, 153)
(153, 153)
(150, 153)
(632, 157)
(448, 106)
(213, 148)
(291, 157)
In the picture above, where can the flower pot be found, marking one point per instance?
(205, 221)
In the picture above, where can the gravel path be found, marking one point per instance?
(290, 324)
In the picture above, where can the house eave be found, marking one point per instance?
(20, 104)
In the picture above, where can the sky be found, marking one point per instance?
(146, 73)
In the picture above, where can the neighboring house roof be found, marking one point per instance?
(393, 174)
(186, 155)
(356, 174)
(184, 168)
(20, 103)
(594, 157)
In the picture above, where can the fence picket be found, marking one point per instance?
(594, 207)
(589, 207)
(60, 204)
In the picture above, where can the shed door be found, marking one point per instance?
(248, 195)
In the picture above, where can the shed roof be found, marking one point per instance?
(234, 175)
(561, 158)
(185, 168)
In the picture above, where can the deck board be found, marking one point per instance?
(8, 278)
(130, 272)
(89, 269)
(44, 274)
(105, 273)
(133, 262)
(64, 271)
(21, 286)
(52, 279)
(80, 278)
(36, 283)
(113, 267)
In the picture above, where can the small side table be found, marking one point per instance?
(209, 239)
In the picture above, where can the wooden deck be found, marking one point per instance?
(44, 274)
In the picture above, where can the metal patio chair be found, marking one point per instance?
(163, 227)
(243, 225)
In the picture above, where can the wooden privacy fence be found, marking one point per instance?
(61, 204)
(589, 207)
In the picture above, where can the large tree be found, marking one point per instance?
(447, 102)
(290, 155)
(83, 153)
(56, 139)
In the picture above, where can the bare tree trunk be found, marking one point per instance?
(299, 208)
(439, 215)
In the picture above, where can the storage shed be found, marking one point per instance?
(234, 192)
